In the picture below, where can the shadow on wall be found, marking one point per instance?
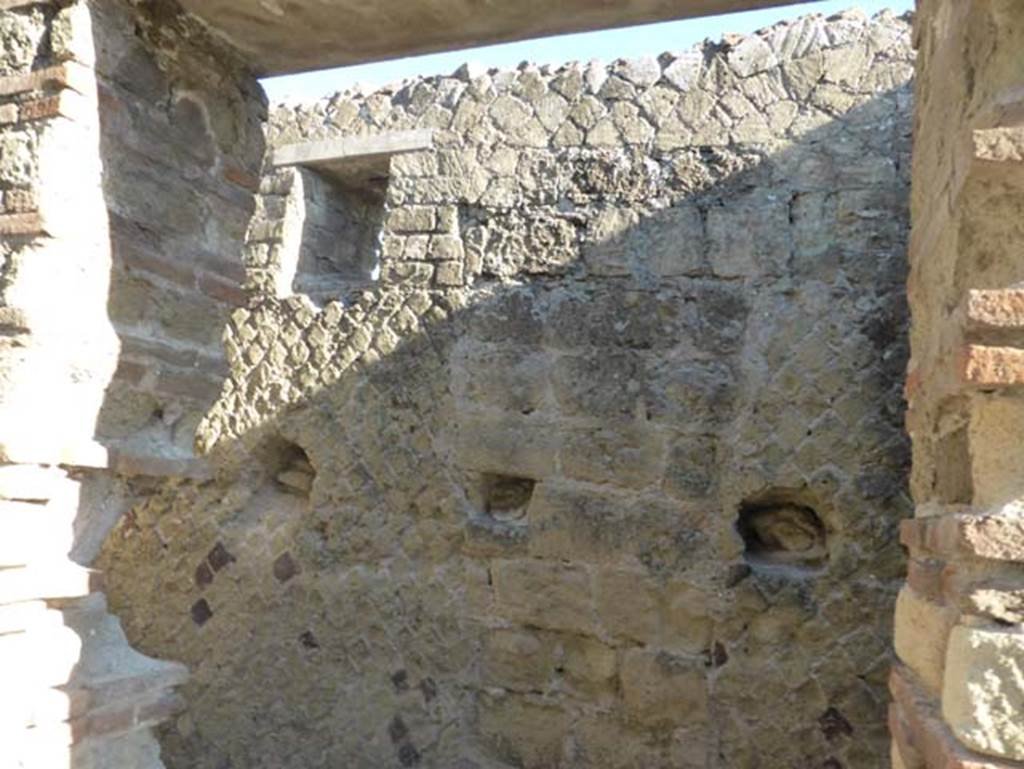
(626, 495)
(181, 143)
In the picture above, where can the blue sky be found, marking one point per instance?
(607, 46)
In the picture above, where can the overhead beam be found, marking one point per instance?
(284, 36)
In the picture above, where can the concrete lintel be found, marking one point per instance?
(335, 152)
(281, 37)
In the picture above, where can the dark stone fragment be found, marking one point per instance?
(203, 576)
(308, 640)
(285, 567)
(397, 730)
(736, 574)
(428, 688)
(201, 612)
(408, 755)
(834, 725)
(219, 557)
(401, 681)
(716, 656)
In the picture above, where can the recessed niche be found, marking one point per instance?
(340, 231)
(344, 185)
(506, 497)
(289, 466)
(784, 533)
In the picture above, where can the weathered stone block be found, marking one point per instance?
(545, 594)
(628, 604)
(635, 320)
(526, 731)
(412, 219)
(518, 660)
(921, 632)
(572, 523)
(686, 623)
(924, 739)
(996, 537)
(750, 56)
(608, 385)
(995, 309)
(999, 145)
(691, 467)
(623, 455)
(698, 395)
(983, 690)
(749, 237)
(989, 367)
(588, 664)
(513, 379)
(996, 456)
(507, 444)
(663, 690)
(1001, 602)
(670, 242)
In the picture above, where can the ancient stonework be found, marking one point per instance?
(959, 684)
(569, 438)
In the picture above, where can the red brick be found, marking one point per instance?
(125, 717)
(240, 177)
(108, 100)
(995, 309)
(140, 348)
(912, 534)
(223, 290)
(40, 109)
(187, 384)
(912, 384)
(137, 257)
(130, 372)
(901, 736)
(926, 578)
(110, 720)
(984, 366)
(167, 706)
(57, 77)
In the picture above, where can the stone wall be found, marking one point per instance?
(117, 182)
(181, 144)
(959, 689)
(604, 470)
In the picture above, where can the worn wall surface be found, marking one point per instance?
(181, 145)
(130, 145)
(604, 470)
(959, 689)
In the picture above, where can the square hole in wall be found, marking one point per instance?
(507, 497)
(344, 186)
(340, 230)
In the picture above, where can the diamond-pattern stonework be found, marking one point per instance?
(635, 300)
